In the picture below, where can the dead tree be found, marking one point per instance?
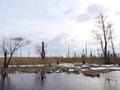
(9, 46)
(43, 51)
(83, 58)
(40, 50)
(111, 39)
(103, 34)
(68, 51)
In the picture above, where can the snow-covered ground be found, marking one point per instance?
(25, 65)
(77, 66)
(90, 66)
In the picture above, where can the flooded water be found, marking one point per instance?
(61, 81)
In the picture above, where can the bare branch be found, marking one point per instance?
(10, 45)
(103, 34)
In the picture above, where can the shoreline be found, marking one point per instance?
(92, 70)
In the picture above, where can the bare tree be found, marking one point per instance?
(68, 51)
(9, 46)
(40, 50)
(104, 34)
(112, 44)
(86, 49)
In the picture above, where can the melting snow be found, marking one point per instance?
(77, 66)
(66, 65)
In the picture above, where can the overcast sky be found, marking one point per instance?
(57, 22)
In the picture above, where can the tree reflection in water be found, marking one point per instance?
(2, 81)
(43, 75)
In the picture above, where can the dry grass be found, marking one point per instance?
(35, 60)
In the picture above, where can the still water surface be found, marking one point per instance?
(62, 81)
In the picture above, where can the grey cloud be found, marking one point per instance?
(91, 11)
(60, 39)
(68, 11)
(95, 9)
(117, 13)
(84, 17)
(58, 44)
